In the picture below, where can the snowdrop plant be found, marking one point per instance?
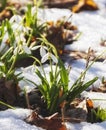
(54, 85)
(7, 66)
(21, 33)
(97, 115)
(12, 34)
(32, 21)
(9, 80)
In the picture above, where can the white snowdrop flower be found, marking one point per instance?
(17, 39)
(15, 51)
(26, 49)
(15, 18)
(33, 11)
(32, 45)
(47, 56)
(54, 58)
(43, 50)
(15, 26)
(23, 29)
(3, 45)
(1, 64)
(35, 47)
(3, 48)
(15, 44)
(26, 29)
(20, 28)
(38, 46)
(22, 38)
(5, 38)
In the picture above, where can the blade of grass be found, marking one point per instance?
(7, 105)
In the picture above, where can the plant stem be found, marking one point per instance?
(27, 100)
(83, 73)
(12, 66)
(5, 104)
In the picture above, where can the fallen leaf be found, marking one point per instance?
(89, 103)
(52, 122)
(84, 5)
(60, 33)
(103, 43)
(5, 14)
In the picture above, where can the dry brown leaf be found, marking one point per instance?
(9, 91)
(52, 122)
(5, 14)
(89, 103)
(84, 4)
(103, 43)
(60, 33)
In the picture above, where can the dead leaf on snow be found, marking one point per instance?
(49, 123)
(60, 33)
(84, 5)
(101, 89)
(103, 43)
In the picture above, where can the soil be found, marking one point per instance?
(9, 93)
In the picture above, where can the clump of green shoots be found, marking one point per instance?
(9, 79)
(32, 21)
(21, 32)
(98, 115)
(54, 87)
(7, 62)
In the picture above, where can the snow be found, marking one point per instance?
(99, 99)
(13, 120)
(97, 69)
(92, 25)
(87, 126)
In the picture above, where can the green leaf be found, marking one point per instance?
(7, 105)
(79, 88)
(63, 75)
(10, 33)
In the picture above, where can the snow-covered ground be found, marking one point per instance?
(93, 28)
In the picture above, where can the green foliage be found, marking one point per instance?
(32, 21)
(78, 87)
(52, 87)
(7, 105)
(101, 113)
(98, 115)
(58, 83)
(16, 42)
(17, 36)
(7, 68)
(55, 86)
(21, 33)
(10, 33)
(2, 4)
